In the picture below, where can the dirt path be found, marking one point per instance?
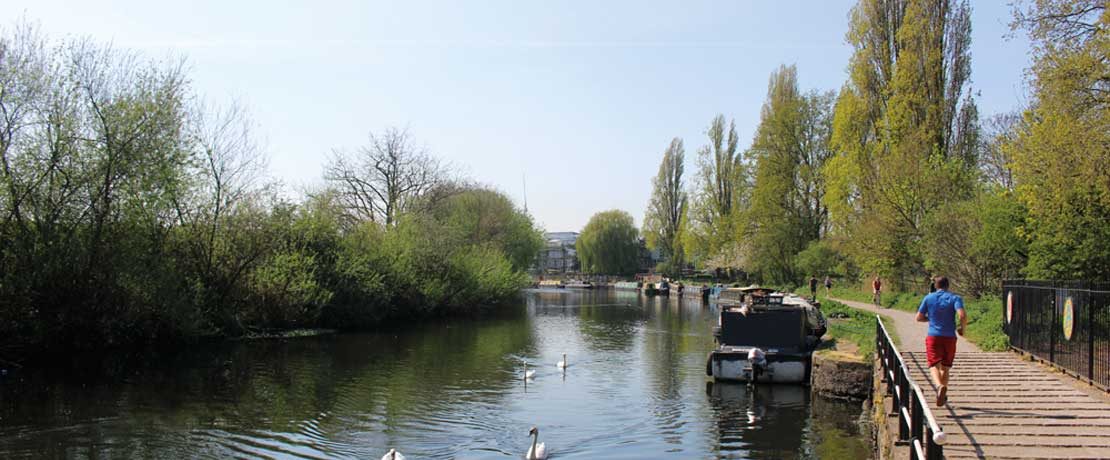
(911, 333)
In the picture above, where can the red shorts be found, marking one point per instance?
(940, 350)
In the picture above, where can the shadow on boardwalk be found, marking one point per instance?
(1000, 406)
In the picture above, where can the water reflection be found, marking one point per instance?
(635, 387)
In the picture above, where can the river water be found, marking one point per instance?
(635, 388)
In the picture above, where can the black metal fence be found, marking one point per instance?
(1066, 323)
(916, 424)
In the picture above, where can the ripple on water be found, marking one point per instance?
(635, 389)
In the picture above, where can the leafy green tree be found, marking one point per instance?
(820, 258)
(720, 191)
(609, 244)
(1060, 153)
(484, 216)
(905, 130)
(976, 241)
(790, 149)
(667, 208)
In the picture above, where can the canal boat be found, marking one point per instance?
(557, 284)
(701, 292)
(764, 336)
(574, 284)
(663, 288)
(627, 285)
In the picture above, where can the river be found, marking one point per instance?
(635, 387)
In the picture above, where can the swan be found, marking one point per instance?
(537, 451)
(527, 373)
(562, 364)
(393, 455)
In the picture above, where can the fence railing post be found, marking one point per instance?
(1090, 338)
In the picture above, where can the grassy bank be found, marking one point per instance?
(984, 323)
(847, 324)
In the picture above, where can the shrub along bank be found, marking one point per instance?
(132, 214)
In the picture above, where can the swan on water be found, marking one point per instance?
(393, 455)
(537, 451)
(527, 373)
(562, 364)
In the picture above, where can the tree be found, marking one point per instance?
(481, 216)
(378, 182)
(665, 212)
(976, 241)
(786, 211)
(720, 189)
(609, 244)
(1062, 146)
(905, 130)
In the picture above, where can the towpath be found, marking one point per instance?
(1001, 406)
(910, 332)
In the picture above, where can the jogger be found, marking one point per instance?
(940, 309)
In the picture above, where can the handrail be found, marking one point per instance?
(916, 424)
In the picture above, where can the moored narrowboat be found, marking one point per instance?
(764, 336)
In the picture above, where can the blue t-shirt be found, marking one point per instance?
(941, 308)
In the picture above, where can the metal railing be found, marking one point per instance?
(1064, 323)
(916, 424)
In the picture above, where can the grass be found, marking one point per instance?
(984, 324)
(897, 300)
(984, 315)
(852, 325)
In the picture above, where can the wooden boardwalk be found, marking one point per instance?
(1000, 406)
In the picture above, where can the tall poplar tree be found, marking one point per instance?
(719, 192)
(665, 211)
(905, 130)
(790, 147)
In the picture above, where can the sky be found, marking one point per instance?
(577, 99)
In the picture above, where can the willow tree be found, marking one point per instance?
(662, 224)
(905, 130)
(609, 244)
(1061, 151)
(790, 148)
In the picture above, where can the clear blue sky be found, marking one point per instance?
(580, 96)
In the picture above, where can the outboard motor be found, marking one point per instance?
(758, 361)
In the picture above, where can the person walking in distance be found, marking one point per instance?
(828, 285)
(813, 287)
(940, 309)
(876, 290)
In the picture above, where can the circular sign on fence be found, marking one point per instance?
(1009, 307)
(1069, 318)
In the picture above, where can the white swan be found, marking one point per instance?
(393, 455)
(562, 364)
(527, 373)
(537, 451)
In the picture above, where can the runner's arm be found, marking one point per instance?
(963, 320)
(921, 318)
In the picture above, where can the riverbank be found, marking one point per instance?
(842, 367)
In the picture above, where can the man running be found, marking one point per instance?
(940, 310)
(876, 290)
(813, 287)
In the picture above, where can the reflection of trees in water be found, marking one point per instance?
(360, 384)
(834, 430)
(764, 421)
(676, 339)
